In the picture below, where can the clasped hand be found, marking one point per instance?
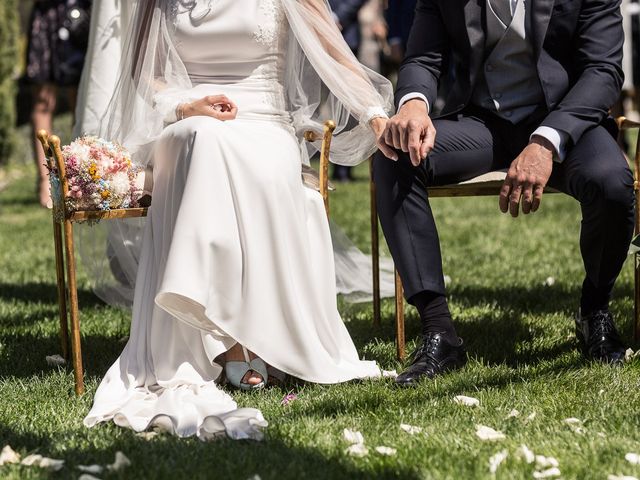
(216, 106)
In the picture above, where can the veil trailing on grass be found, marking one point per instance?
(321, 73)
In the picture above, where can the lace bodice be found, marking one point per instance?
(237, 45)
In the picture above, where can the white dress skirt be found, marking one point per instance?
(235, 248)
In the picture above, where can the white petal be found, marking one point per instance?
(551, 472)
(628, 355)
(8, 456)
(621, 477)
(121, 462)
(147, 435)
(526, 454)
(43, 462)
(352, 436)
(447, 280)
(601, 391)
(255, 477)
(531, 416)
(513, 413)
(549, 282)
(488, 433)
(97, 469)
(86, 476)
(572, 421)
(632, 458)
(389, 374)
(545, 462)
(496, 460)
(466, 401)
(386, 450)
(410, 429)
(357, 450)
(55, 360)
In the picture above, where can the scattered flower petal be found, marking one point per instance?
(526, 454)
(386, 450)
(255, 477)
(513, 414)
(488, 433)
(632, 458)
(551, 472)
(288, 398)
(389, 374)
(43, 462)
(86, 476)
(466, 401)
(621, 477)
(410, 429)
(55, 361)
(357, 450)
(447, 280)
(601, 391)
(629, 355)
(8, 456)
(545, 462)
(97, 469)
(120, 463)
(531, 416)
(549, 282)
(148, 435)
(496, 460)
(575, 424)
(352, 436)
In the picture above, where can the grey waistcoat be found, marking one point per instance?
(508, 83)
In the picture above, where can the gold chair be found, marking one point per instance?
(63, 221)
(488, 185)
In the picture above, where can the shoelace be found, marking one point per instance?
(428, 350)
(603, 333)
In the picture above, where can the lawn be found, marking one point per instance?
(517, 325)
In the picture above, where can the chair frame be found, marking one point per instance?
(64, 246)
(489, 189)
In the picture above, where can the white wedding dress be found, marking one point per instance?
(235, 248)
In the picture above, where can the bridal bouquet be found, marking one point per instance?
(100, 175)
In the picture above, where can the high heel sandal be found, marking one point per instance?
(236, 370)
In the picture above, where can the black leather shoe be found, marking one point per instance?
(599, 338)
(434, 357)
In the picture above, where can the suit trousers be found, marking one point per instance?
(474, 142)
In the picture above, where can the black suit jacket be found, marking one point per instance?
(577, 48)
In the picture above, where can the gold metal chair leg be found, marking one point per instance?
(375, 248)
(62, 293)
(400, 340)
(76, 349)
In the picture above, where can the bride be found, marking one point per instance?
(236, 270)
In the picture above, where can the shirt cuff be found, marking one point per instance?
(373, 112)
(411, 96)
(557, 138)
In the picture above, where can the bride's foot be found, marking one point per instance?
(244, 369)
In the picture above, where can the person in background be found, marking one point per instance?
(58, 37)
(345, 13)
(399, 17)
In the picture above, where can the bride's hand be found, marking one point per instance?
(378, 125)
(216, 106)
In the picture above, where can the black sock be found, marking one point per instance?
(435, 315)
(593, 298)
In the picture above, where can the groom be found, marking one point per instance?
(533, 82)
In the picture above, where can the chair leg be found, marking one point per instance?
(73, 304)
(375, 248)
(400, 340)
(636, 264)
(62, 294)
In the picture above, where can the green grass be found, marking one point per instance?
(518, 331)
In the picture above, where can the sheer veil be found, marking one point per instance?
(321, 74)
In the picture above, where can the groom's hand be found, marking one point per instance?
(411, 131)
(527, 177)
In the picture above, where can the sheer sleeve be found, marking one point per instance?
(318, 56)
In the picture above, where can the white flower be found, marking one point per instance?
(545, 462)
(386, 450)
(410, 429)
(496, 460)
(55, 360)
(8, 456)
(352, 436)
(526, 454)
(488, 433)
(357, 450)
(551, 472)
(96, 469)
(120, 184)
(43, 462)
(120, 462)
(466, 401)
(632, 458)
(621, 477)
(513, 414)
(549, 282)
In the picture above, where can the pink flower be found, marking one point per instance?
(288, 398)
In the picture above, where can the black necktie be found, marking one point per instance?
(502, 9)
